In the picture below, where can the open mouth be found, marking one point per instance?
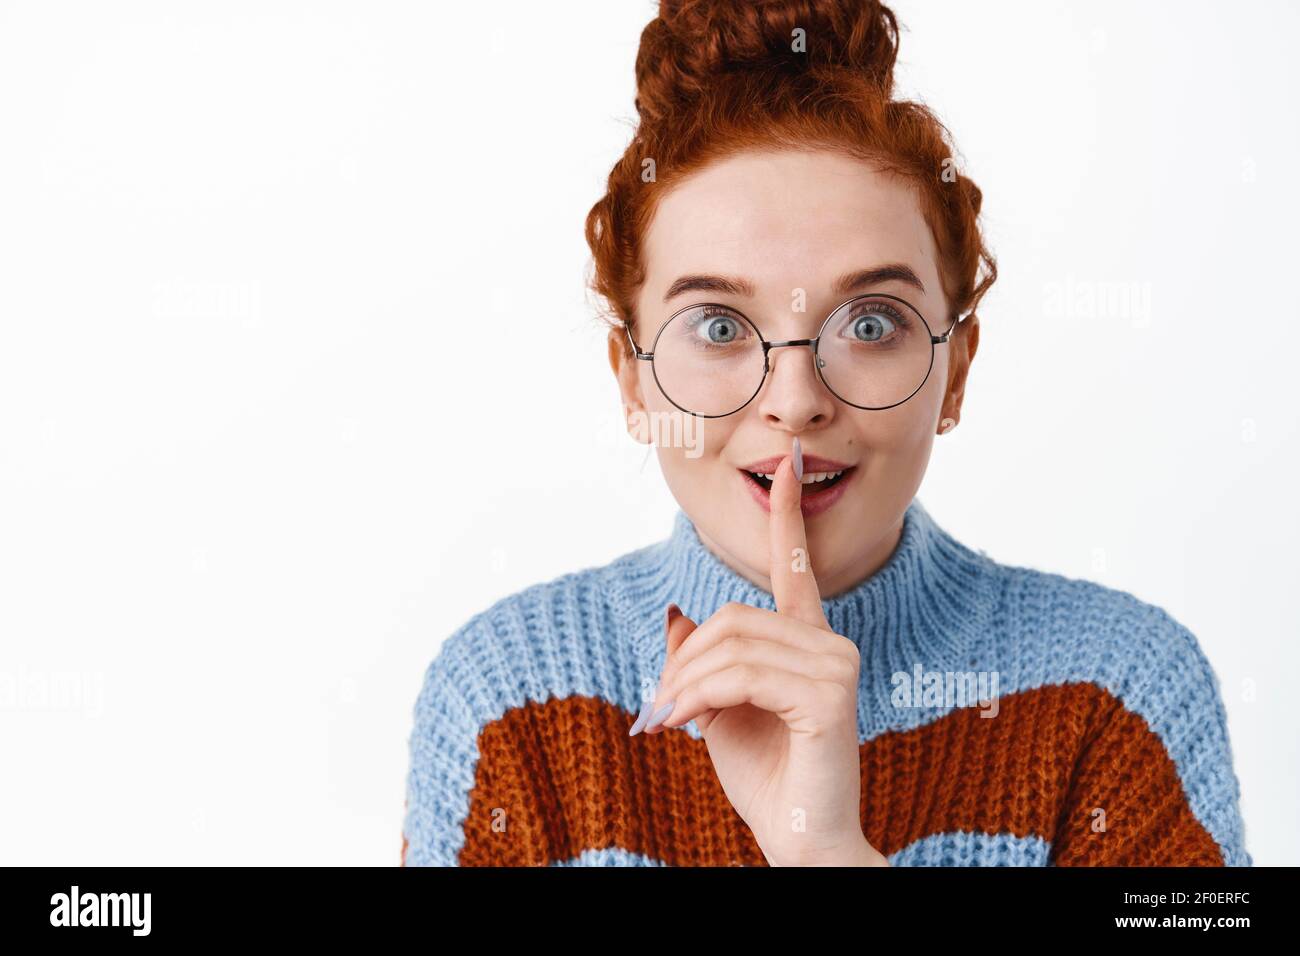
(813, 482)
(824, 481)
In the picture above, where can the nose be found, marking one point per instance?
(793, 397)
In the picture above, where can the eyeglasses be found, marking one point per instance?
(872, 352)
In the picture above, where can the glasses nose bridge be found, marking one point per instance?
(768, 346)
(789, 343)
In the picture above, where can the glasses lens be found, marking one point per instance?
(875, 352)
(709, 361)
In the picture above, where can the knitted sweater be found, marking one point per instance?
(1006, 716)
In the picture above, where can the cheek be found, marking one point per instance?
(689, 448)
(684, 442)
(908, 429)
(892, 435)
(691, 456)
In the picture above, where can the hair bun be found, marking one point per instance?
(692, 42)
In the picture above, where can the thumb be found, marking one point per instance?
(677, 628)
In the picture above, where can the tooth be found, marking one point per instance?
(770, 477)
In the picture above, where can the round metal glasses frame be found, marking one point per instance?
(768, 346)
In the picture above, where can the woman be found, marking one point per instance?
(810, 670)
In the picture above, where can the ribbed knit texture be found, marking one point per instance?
(1109, 745)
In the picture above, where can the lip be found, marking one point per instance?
(810, 505)
(768, 466)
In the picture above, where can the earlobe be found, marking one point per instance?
(638, 426)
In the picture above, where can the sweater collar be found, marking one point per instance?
(926, 605)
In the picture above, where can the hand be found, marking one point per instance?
(775, 696)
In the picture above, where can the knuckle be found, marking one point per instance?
(848, 649)
(845, 670)
(731, 611)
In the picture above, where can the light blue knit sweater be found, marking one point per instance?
(1110, 744)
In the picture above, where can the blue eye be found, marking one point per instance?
(871, 328)
(879, 323)
(717, 328)
(720, 330)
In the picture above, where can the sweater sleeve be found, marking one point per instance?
(1154, 783)
(443, 749)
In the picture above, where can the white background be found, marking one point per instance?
(298, 371)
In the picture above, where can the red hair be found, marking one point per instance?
(715, 77)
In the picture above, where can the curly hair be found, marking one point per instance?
(715, 77)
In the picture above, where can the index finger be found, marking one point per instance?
(793, 585)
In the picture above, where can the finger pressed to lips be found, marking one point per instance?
(794, 587)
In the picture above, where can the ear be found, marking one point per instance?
(624, 365)
(963, 343)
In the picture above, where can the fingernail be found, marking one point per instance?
(798, 460)
(674, 612)
(661, 715)
(641, 717)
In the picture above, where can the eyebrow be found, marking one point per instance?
(849, 282)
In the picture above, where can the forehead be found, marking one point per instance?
(786, 220)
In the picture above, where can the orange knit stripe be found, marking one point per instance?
(558, 778)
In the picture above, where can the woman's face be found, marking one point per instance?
(771, 224)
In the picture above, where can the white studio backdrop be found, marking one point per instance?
(298, 372)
